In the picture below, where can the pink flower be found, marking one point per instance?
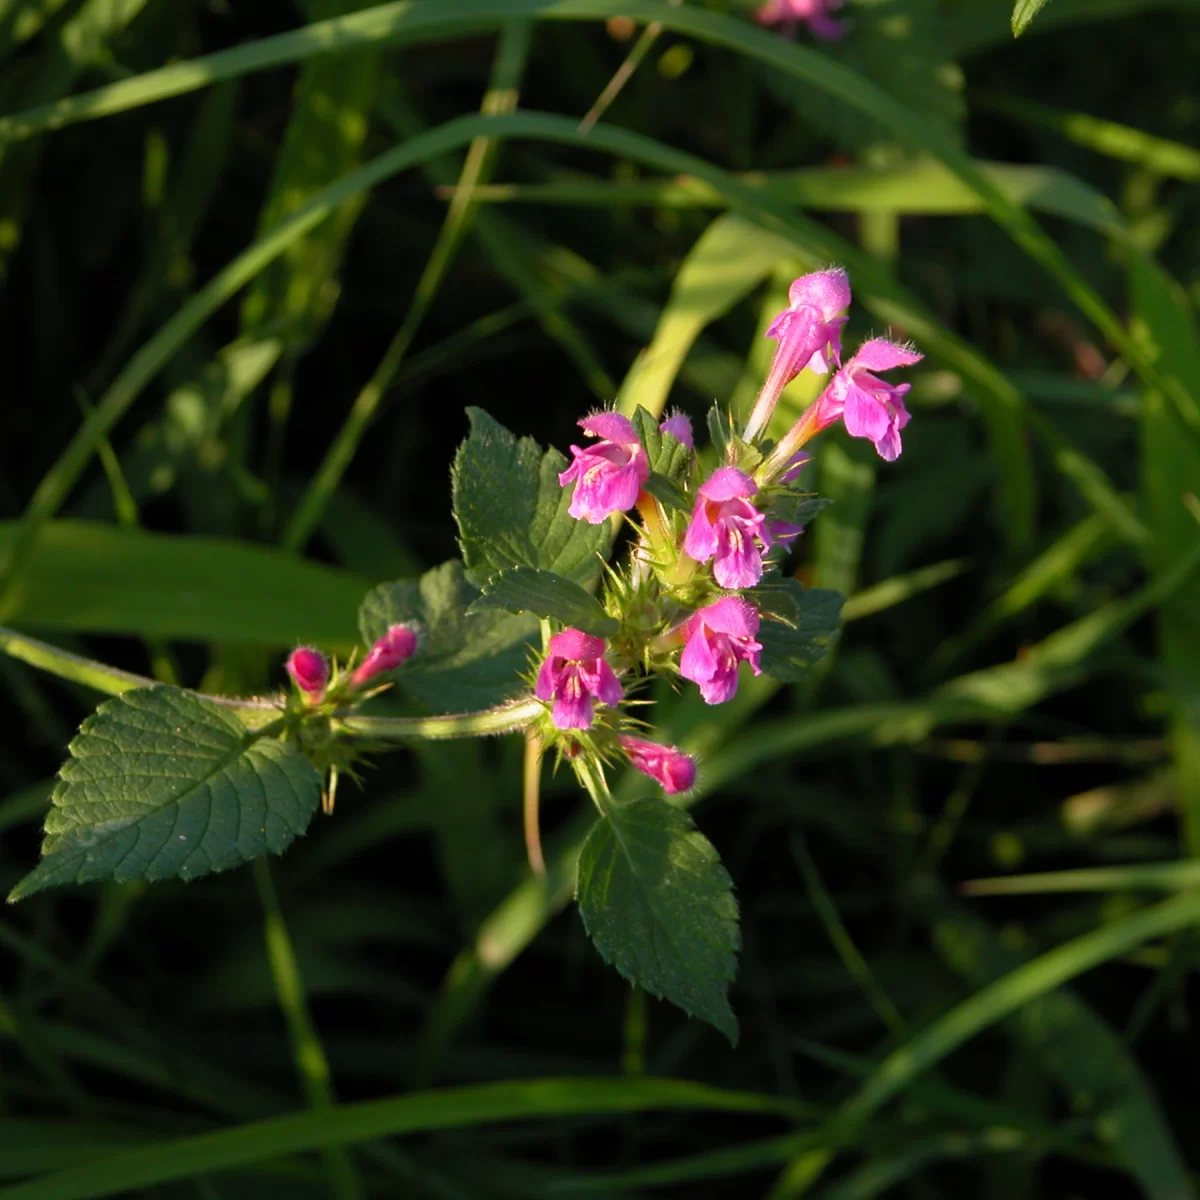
(725, 525)
(679, 426)
(718, 638)
(392, 650)
(870, 407)
(608, 474)
(666, 765)
(789, 13)
(809, 333)
(309, 670)
(575, 676)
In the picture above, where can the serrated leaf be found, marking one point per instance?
(161, 784)
(528, 590)
(798, 627)
(667, 455)
(1023, 13)
(512, 511)
(465, 661)
(659, 907)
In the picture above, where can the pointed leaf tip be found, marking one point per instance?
(659, 907)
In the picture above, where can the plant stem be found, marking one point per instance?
(309, 1055)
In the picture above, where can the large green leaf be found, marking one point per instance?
(512, 511)
(464, 661)
(660, 907)
(162, 783)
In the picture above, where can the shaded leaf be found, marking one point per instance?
(659, 906)
(465, 661)
(798, 627)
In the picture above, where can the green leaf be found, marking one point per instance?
(528, 590)
(667, 455)
(161, 784)
(799, 625)
(512, 511)
(670, 494)
(88, 577)
(660, 908)
(465, 661)
(1023, 13)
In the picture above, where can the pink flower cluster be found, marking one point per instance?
(730, 525)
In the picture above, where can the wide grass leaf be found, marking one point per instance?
(161, 784)
(659, 906)
(512, 511)
(465, 660)
(89, 577)
(1079, 1049)
(1170, 450)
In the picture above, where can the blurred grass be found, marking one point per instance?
(1022, 586)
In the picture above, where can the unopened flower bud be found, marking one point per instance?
(392, 650)
(666, 765)
(679, 426)
(309, 670)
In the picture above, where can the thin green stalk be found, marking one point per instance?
(312, 1064)
(509, 718)
(623, 74)
(258, 712)
(500, 99)
(858, 967)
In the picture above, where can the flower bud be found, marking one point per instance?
(309, 670)
(666, 765)
(392, 650)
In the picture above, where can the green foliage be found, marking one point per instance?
(1023, 13)
(512, 511)
(1014, 690)
(527, 589)
(467, 659)
(659, 906)
(164, 784)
